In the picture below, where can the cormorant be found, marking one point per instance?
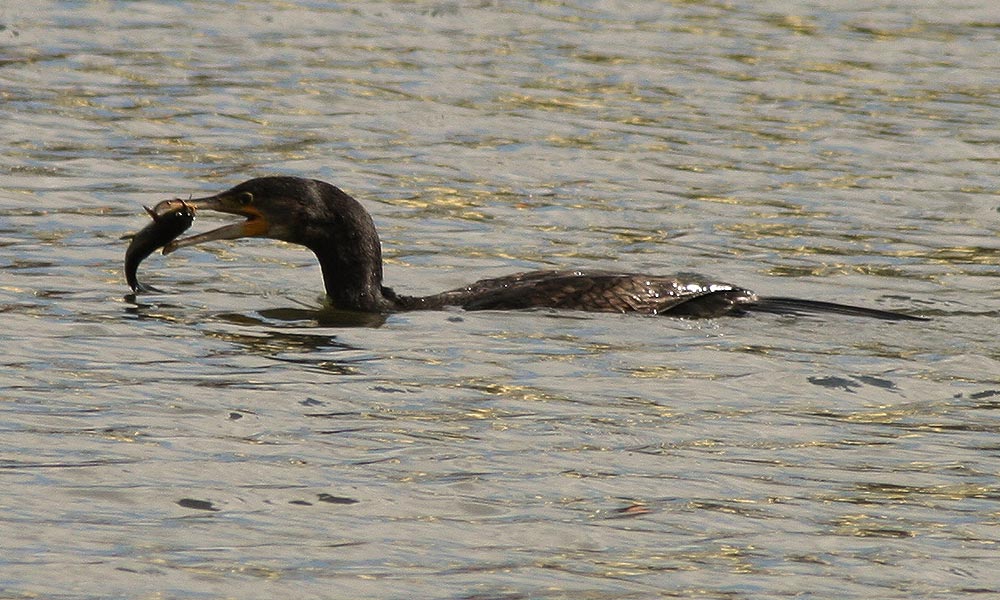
(341, 233)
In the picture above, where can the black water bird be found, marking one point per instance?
(341, 233)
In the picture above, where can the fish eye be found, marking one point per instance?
(245, 198)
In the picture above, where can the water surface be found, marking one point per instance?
(226, 438)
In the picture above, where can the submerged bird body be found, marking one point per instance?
(596, 291)
(341, 233)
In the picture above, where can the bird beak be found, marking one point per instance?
(255, 225)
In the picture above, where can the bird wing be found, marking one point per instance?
(682, 295)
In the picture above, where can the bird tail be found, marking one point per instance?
(795, 306)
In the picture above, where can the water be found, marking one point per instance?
(227, 439)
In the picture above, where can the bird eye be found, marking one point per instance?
(245, 198)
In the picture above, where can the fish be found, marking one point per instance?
(166, 226)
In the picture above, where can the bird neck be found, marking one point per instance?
(353, 280)
(343, 236)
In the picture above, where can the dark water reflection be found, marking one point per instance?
(232, 437)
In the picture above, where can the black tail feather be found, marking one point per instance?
(795, 306)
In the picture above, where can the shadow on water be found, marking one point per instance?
(326, 316)
(323, 316)
(288, 335)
